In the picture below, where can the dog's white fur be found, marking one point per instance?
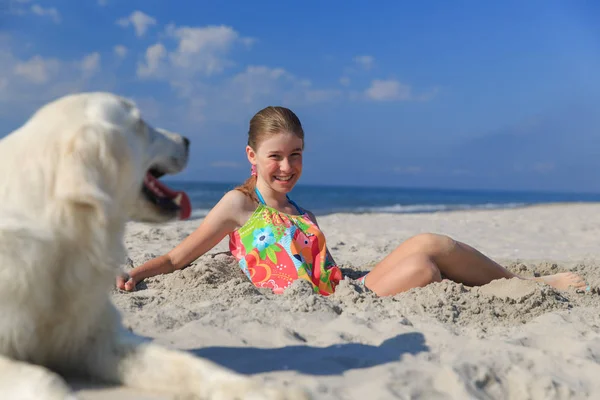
(70, 178)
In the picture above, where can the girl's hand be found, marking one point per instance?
(126, 282)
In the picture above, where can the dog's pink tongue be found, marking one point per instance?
(185, 206)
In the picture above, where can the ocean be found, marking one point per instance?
(323, 200)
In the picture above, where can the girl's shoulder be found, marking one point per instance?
(239, 200)
(238, 205)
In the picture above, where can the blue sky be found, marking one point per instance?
(462, 94)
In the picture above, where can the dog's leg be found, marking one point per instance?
(149, 366)
(22, 381)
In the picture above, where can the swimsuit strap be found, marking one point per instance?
(262, 200)
(300, 211)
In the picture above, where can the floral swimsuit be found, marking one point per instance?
(274, 249)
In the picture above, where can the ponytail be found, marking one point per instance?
(248, 188)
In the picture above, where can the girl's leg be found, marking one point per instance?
(414, 270)
(411, 265)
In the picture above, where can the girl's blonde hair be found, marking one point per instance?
(268, 122)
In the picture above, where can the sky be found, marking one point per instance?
(438, 94)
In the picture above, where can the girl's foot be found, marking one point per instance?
(562, 281)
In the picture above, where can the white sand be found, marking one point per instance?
(510, 339)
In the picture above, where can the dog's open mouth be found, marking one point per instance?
(165, 198)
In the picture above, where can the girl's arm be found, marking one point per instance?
(226, 216)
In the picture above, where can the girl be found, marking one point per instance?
(275, 241)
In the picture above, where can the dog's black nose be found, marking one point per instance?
(186, 142)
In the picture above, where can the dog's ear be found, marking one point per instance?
(86, 171)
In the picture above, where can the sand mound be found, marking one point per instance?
(510, 339)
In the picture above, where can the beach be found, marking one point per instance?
(510, 339)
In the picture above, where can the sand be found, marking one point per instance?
(510, 339)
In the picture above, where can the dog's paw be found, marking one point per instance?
(27, 382)
(249, 389)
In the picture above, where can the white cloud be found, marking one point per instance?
(258, 81)
(46, 12)
(27, 84)
(140, 21)
(188, 57)
(202, 49)
(196, 108)
(360, 64)
(120, 50)
(198, 51)
(248, 41)
(37, 69)
(90, 64)
(154, 55)
(388, 90)
(245, 92)
(260, 84)
(102, 3)
(365, 62)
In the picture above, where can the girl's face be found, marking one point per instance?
(278, 160)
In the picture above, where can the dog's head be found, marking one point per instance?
(110, 159)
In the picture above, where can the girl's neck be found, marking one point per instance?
(272, 198)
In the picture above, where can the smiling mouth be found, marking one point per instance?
(166, 199)
(284, 178)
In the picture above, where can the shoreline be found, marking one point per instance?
(468, 208)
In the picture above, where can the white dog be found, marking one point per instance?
(70, 178)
